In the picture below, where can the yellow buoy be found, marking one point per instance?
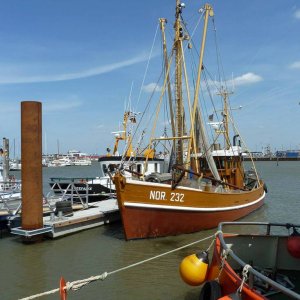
(193, 268)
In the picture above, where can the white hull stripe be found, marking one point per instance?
(188, 208)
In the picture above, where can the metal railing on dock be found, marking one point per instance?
(80, 189)
(10, 196)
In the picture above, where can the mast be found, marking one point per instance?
(5, 162)
(123, 136)
(204, 141)
(178, 83)
(162, 27)
(224, 94)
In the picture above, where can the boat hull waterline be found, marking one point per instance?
(154, 210)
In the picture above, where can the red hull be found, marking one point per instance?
(143, 222)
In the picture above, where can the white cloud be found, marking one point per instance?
(297, 14)
(295, 65)
(14, 78)
(244, 79)
(149, 88)
(247, 78)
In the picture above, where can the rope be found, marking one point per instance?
(78, 284)
(245, 276)
(212, 242)
(41, 294)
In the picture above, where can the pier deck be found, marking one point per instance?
(100, 213)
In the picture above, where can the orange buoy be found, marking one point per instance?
(193, 268)
(293, 244)
(62, 290)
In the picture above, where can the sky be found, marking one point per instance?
(83, 60)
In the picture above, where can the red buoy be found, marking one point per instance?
(293, 245)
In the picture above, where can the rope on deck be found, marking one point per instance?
(78, 284)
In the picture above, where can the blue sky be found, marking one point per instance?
(81, 59)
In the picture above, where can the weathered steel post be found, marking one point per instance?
(31, 174)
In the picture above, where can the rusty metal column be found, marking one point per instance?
(31, 154)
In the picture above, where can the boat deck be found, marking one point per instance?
(294, 277)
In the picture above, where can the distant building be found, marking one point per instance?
(257, 154)
(76, 153)
(288, 154)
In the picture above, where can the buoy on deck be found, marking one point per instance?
(193, 268)
(62, 290)
(293, 244)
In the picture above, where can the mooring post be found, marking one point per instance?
(31, 173)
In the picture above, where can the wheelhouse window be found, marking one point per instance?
(104, 168)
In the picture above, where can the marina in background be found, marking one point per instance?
(102, 249)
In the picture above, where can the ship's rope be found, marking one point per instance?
(78, 284)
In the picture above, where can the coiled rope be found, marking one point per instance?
(78, 284)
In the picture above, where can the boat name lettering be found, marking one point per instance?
(157, 195)
(82, 188)
(177, 197)
(160, 195)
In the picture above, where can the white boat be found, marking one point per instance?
(82, 162)
(60, 162)
(15, 165)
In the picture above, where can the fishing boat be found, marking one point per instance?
(256, 260)
(207, 182)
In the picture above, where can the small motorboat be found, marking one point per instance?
(254, 261)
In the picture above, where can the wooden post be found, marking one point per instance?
(31, 153)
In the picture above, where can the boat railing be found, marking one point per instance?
(228, 250)
(70, 192)
(10, 186)
(4, 205)
(9, 199)
(68, 188)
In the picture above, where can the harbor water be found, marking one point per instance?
(28, 269)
